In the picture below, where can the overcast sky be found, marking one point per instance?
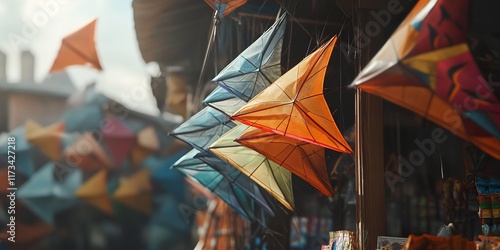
(124, 77)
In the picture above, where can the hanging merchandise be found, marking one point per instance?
(342, 240)
(495, 205)
(488, 189)
(454, 203)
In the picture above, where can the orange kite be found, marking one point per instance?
(78, 48)
(47, 139)
(294, 105)
(95, 192)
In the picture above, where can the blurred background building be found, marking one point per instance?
(43, 102)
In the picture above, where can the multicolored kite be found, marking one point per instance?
(427, 67)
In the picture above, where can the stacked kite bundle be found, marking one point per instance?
(100, 152)
(260, 127)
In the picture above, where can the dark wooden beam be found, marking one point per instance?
(369, 150)
(369, 159)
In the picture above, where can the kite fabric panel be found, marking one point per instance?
(239, 179)
(136, 191)
(306, 160)
(45, 195)
(95, 192)
(87, 154)
(119, 139)
(212, 180)
(83, 118)
(47, 139)
(78, 48)
(295, 106)
(269, 175)
(426, 66)
(147, 144)
(224, 101)
(203, 128)
(257, 66)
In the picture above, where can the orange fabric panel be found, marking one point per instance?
(306, 160)
(47, 139)
(94, 191)
(136, 192)
(87, 154)
(436, 110)
(294, 105)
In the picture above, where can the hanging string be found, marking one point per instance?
(211, 41)
(398, 139)
(441, 164)
(297, 21)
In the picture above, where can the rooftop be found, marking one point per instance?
(56, 85)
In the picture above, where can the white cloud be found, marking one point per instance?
(3, 8)
(124, 76)
(132, 90)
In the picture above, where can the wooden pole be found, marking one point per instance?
(369, 160)
(369, 152)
